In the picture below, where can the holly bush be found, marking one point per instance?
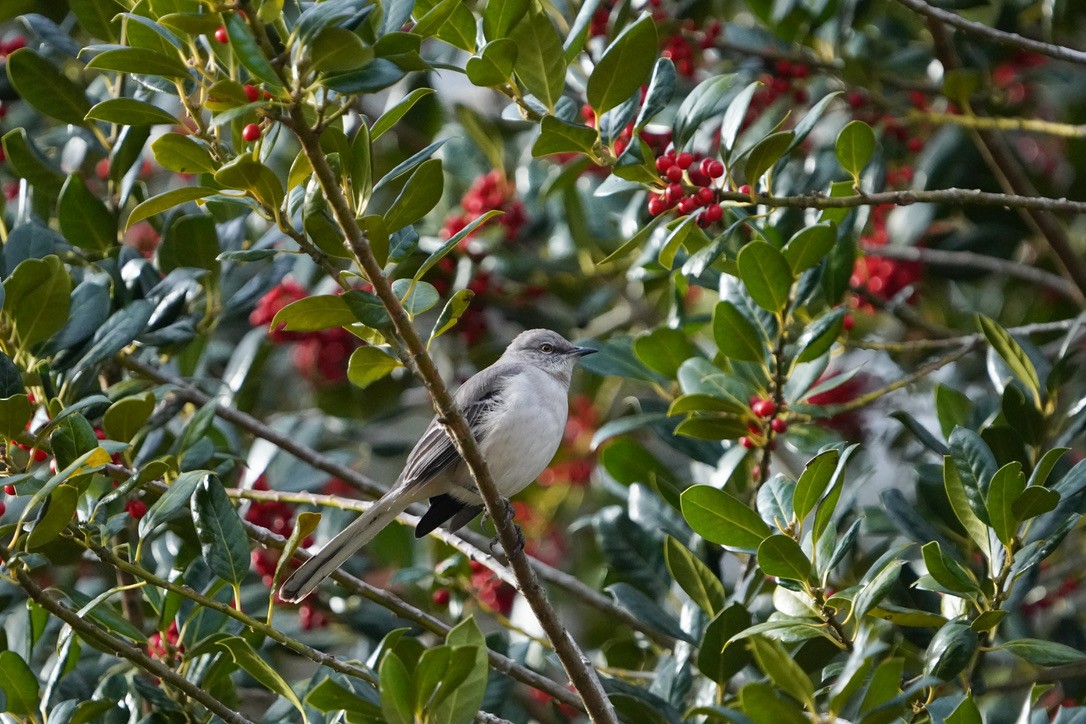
(825, 465)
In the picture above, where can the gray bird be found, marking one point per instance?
(516, 409)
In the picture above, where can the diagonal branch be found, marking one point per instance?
(956, 196)
(980, 30)
(582, 675)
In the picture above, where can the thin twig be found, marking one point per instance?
(579, 669)
(95, 634)
(970, 261)
(921, 345)
(1000, 123)
(955, 196)
(1059, 52)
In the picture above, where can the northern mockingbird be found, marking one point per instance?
(516, 409)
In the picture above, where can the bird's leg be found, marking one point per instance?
(509, 513)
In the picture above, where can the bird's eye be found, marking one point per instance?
(546, 348)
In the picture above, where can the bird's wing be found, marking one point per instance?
(434, 451)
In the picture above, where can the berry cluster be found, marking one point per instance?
(321, 356)
(882, 278)
(1009, 78)
(690, 186)
(786, 79)
(576, 458)
(770, 422)
(490, 192)
(686, 46)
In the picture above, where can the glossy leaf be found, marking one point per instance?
(222, 537)
(130, 112)
(46, 88)
(311, 314)
(84, 219)
(1006, 486)
(950, 650)
(765, 154)
(369, 364)
(248, 50)
(500, 16)
(390, 117)
(819, 336)
(721, 518)
(694, 577)
(126, 416)
(558, 136)
(813, 482)
(854, 147)
(140, 61)
(166, 201)
(454, 240)
(29, 163)
(452, 312)
(397, 694)
(766, 274)
(1034, 501)
(1044, 653)
(182, 154)
(19, 685)
(719, 657)
(59, 512)
(735, 336)
(255, 666)
(781, 556)
(809, 246)
(37, 296)
(419, 196)
(624, 66)
(541, 64)
(660, 91)
(950, 574)
(248, 174)
(782, 669)
(647, 611)
(663, 350)
(172, 502)
(495, 63)
(1012, 353)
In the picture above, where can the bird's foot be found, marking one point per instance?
(509, 514)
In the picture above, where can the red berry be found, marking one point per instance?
(848, 322)
(9, 489)
(713, 213)
(221, 35)
(706, 196)
(687, 204)
(746, 442)
(856, 99)
(252, 93)
(779, 425)
(764, 408)
(136, 508)
(745, 189)
(674, 174)
(251, 132)
(783, 67)
(663, 163)
(684, 159)
(715, 169)
(915, 144)
(673, 194)
(3, 509)
(657, 205)
(441, 597)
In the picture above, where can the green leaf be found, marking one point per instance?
(712, 428)
(765, 155)
(37, 296)
(541, 64)
(140, 61)
(419, 196)
(256, 667)
(397, 693)
(59, 512)
(721, 518)
(965, 713)
(452, 312)
(46, 88)
(719, 657)
(130, 112)
(416, 297)
(15, 413)
(84, 219)
(952, 407)
(390, 117)
(19, 685)
(875, 585)
(707, 100)
(1006, 486)
(464, 699)
(97, 17)
(809, 246)
(694, 577)
(28, 162)
(855, 146)
(1033, 501)
(166, 201)
(329, 696)
(451, 244)
(369, 364)
(311, 314)
(661, 90)
(959, 502)
(558, 136)
(173, 501)
(820, 335)
(192, 242)
(1043, 653)
(735, 335)
(495, 63)
(812, 484)
(248, 50)
(338, 49)
(947, 573)
(624, 66)
(500, 16)
(126, 416)
(780, 556)
(1012, 353)
(182, 154)
(663, 350)
(950, 650)
(248, 174)
(222, 537)
(766, 275)
(782, 669)
(648, 611)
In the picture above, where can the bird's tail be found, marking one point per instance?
(360, 532)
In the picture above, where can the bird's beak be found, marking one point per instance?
(582, 351)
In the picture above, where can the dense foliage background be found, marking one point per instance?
(826, 463)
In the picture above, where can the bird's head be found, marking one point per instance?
(547, 350)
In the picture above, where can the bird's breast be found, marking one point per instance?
(526, 433)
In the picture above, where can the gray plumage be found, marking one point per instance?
(516, 409)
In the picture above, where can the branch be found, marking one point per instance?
(576, 664)
(434, 625)
(999, 123)
(998, 36)
(971, 261)
(919, 345)
(954, 196)
(367, 485)
(93, 633)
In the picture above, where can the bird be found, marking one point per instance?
(516, 409)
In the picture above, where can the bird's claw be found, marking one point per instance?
(510, 513)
